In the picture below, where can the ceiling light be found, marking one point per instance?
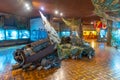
(42, 8)
(61, 14)
(56, 12)
(91, 23)
(28, 8)
(26, 5)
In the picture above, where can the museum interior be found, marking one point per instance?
(59, 39)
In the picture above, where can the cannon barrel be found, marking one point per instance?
(41, 54)
(20, 55)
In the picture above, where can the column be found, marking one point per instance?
(80, 30)
(109, 34)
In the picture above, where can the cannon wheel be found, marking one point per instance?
(19, 56)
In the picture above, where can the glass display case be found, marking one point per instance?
(2, 35)
(11, 34)
(24, 34)
(116, 34)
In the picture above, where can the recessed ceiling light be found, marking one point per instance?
(28, 8)
(42, 8)
(61, 14)
(26, 5)
(56, 12)
(91, 22)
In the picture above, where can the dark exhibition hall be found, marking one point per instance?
(59, 39)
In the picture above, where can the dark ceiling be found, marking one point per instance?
(70, 8)
(16, 7)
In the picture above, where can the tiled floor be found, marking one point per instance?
(104, 66)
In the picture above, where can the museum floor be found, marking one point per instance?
(104, 66)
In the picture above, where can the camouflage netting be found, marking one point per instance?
(75, 52)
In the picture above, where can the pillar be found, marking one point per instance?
(109, 33)
(80, 30)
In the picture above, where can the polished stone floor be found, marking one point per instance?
(104, 66)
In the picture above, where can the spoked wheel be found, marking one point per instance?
(19, 56)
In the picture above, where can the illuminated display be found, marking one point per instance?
(74, 33)
(89, 32)
(65, 33)
(24, 34)
(116, 37)
(2, 36)
(11, 34)
(37, 29)
(116, 24)
(116, 34)
(103, 33)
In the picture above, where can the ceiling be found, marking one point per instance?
(70, 8)
(16, 7)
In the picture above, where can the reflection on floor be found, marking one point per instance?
(6, 58)
(104, 66)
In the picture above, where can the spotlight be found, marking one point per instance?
(56, 12)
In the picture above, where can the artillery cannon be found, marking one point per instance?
(40, 53)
